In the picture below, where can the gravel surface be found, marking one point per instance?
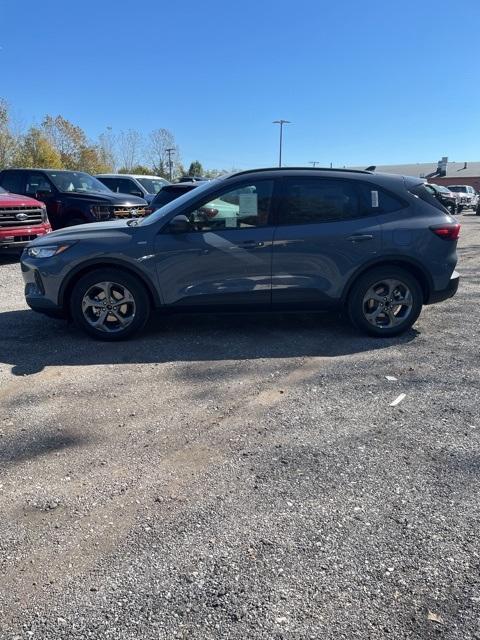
(241, 476)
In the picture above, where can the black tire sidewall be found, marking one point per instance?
(133, 284)
(361, 286)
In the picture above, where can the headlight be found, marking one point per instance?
(46, 252)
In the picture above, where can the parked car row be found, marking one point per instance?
(456, 197)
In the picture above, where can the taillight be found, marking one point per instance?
(447, 231)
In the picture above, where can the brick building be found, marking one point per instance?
(442, 172)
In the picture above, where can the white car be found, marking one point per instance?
(468, 195)
(145, 187)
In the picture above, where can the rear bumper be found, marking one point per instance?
(16, 238)
(448, 292)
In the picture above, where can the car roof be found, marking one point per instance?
(128, 175)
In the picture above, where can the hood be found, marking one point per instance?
(105, 197)
(81, 231)
(14, 200)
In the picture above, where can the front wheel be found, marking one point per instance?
(385, 301)
(110, 304)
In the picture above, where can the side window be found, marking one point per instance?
(36, 182)
(12, 181)
(316, 200)
(376, 200)
(111, 183)
(244, 207)
(127, 186)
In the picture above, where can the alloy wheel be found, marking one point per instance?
(387, 303)
(108, 307)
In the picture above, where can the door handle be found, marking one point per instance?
(360, 237)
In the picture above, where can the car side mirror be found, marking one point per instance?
(179, 224)
(137, 193)
(42, 193)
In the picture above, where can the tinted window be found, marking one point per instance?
(244, 207)
(12, 181)
(111, 183)
(376, 200)
(166, 195)
(37, 182)
(313, 200)
(422, 192)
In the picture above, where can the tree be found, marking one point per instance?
(68, 139)
(106, 146)
(35, 150)
(91, 161)
(159, 141)
(138, 169)
(8, 141)
(130, 144)
(195, 169)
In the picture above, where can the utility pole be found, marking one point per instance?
(314, 162)
(170, 151)
(281, 123)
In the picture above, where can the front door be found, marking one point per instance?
(326, 231)
(225, 257)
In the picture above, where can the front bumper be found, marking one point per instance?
(16, 238)
(448, 292)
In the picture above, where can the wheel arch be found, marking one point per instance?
(77, 273)
(412, 266)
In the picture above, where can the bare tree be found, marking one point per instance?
(158, 142)
(106, 145)
(130, 145)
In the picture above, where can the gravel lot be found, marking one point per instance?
(241, 476)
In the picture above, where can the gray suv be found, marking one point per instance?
(377, 245)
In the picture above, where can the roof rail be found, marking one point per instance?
(262, 169)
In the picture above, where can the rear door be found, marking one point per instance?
(326, 231)
(225, 258)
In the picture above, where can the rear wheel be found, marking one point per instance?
(109, 304)
(385, 301)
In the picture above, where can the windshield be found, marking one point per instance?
(442, 189)
(76, 181)
(152, 185)
(178, 202)
(457, 189)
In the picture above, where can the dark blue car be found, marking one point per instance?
(379, 246)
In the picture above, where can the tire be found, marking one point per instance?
(110, 320)
(387, 284)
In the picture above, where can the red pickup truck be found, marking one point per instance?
(21, 219)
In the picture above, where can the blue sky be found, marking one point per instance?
(364, 82)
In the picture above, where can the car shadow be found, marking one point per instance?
(29, 342)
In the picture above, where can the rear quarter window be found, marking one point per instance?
(377, 200)
(421, 191)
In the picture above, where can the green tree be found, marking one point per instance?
(195, 169)
(35, 150)
(138, 169)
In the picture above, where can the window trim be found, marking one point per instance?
(272, 214)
